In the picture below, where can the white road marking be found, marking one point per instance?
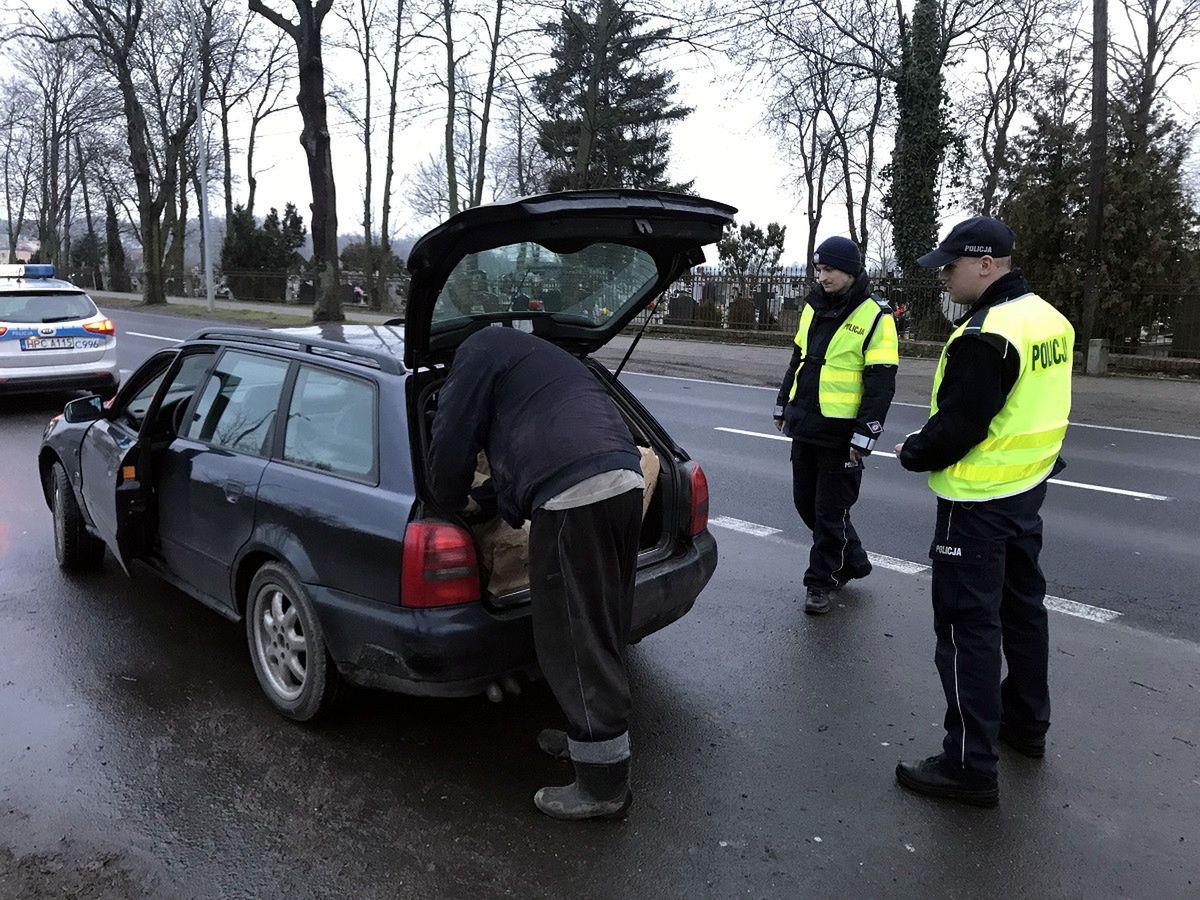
(154, 337)
(774, 437)
(1081, 610)
(1110, 490)
(1104, 489)
(907, 567)
(744, 527)
(903, 566)
(759, 387)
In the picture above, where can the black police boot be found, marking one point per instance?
(817, 602)
(850, 573)
(553, 743)
(938, 777)
(1025, 744)
(598, 792)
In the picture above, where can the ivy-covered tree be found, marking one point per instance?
(922, 136)
(256, 260)
(608, 111)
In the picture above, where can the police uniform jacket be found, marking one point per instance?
(801, 413)
(981, 370)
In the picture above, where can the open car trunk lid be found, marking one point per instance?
(573, 267)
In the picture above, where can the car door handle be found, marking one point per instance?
(234, 491)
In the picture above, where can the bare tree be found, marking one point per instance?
(264, 99)
(18, 158)
(133, 44)
(361, 25)
(1013, 45)
(871, 40)
(399, 40)
(249, 69)
(306, 33)
(1149, 62)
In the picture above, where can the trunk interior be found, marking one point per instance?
(657, 523)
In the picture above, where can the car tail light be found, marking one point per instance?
(104, 326)
(440, 568)
(699, 517)
(2, 329)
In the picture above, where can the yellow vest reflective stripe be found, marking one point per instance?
(840, 386)
(1025, 437)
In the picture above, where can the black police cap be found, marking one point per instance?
(978, 236)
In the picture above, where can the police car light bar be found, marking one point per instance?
(27, 270)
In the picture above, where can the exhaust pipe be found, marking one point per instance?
(506, 685)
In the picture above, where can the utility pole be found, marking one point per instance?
(1098, 165)
(202, 153)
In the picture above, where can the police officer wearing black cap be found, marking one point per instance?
(832, 403)
(1001, 398)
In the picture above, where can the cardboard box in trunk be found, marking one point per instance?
(504, 550)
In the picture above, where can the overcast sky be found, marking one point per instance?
(722, 145)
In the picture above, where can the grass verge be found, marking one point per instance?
(224, 314)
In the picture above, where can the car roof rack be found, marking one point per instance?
(375, 359)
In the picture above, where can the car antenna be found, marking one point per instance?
(637, 337)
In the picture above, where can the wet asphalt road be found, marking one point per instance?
(137, 757)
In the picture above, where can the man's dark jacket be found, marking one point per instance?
(802, 419)
(543, 419)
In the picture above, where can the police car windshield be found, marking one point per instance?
(43, 308)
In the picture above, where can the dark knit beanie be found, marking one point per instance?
(839, 253)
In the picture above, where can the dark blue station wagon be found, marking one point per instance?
(278, 475)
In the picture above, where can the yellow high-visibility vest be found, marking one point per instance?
(866, 338)
(1025, 437)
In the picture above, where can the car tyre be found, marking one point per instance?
(287, 645)
(75, 548)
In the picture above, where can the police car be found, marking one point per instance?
(52, 336)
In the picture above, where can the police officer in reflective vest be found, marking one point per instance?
(1001, 397)
(832, 403)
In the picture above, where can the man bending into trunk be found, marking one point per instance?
(562, 457)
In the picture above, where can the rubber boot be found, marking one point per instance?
(554, 743)
(598, 792)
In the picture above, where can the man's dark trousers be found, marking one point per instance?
(582, 564)
(988, 594)
(825, 484)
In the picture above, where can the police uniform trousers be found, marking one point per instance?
(582, 564)
(988, 598)
(825, 484)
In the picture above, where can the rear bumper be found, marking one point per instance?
(101, 375)
(457, 651)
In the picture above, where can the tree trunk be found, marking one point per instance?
(451, 112)
(314, 138)
(385, 236)
(227, 155)
(488, 93)
(368, 239)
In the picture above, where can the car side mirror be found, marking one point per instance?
(85, 409)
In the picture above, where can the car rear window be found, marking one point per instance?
(585, 285)
(44, 308)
